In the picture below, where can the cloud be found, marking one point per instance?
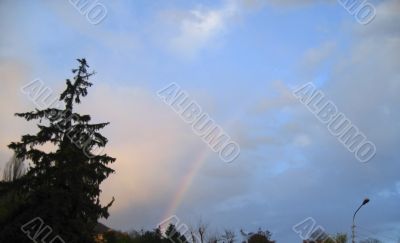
(14, 74)
(314, 58)
(364, 84)
(284, 3)
(281, 97)
(384, 25)
(290, 168)
(151, 144)
(196, 28)
(155, 151)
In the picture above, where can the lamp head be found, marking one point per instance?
(366, 200)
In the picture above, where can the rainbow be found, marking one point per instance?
(187, 180)
(185, 183)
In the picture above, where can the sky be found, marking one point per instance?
(240, 60)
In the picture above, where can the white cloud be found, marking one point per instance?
(200, 26)
(315, 57)
(284, 3)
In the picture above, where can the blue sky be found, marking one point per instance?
(240, 60)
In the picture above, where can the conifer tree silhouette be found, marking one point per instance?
(62, 185)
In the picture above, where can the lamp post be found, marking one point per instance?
(366, 200)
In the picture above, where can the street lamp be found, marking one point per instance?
(366, 200)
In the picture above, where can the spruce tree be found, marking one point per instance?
(62, 183)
